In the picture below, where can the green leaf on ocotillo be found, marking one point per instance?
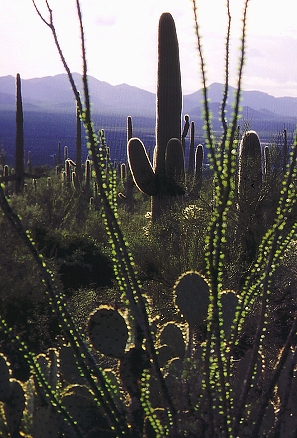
(192, 297)
(108, 331)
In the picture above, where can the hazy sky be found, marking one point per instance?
(121, 39)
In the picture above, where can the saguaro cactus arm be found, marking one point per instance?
(141, 168)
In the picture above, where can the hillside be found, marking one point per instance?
(49, 113)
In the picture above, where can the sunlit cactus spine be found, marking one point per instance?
(152, 180)
(19, 151)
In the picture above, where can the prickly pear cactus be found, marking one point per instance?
(5, 388)
(172, 336)
(46, 423)
(68, 366)
(108, 331)
(12, 395)
(192, 297)
(14, 407)
(79, 402)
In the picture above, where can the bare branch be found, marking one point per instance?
(51, 25)
(227, 66)
(48, 23)
(207, 115)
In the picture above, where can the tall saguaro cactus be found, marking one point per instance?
(250, 172)
(169, 93)
(249, 188)
(163, 181)
(19, 150)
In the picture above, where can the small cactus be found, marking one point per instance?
(267, 163)
(191, 149)
(108, 331)
(80, 404)
(192, 297)
(172, 336)
(12, 395)
(14, 407)
(198, 175)
(185, 131)
(68, 366)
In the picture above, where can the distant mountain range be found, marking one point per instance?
(49, 112)
(53, 94)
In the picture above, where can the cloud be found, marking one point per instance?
(272, 58)
(105, 20)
